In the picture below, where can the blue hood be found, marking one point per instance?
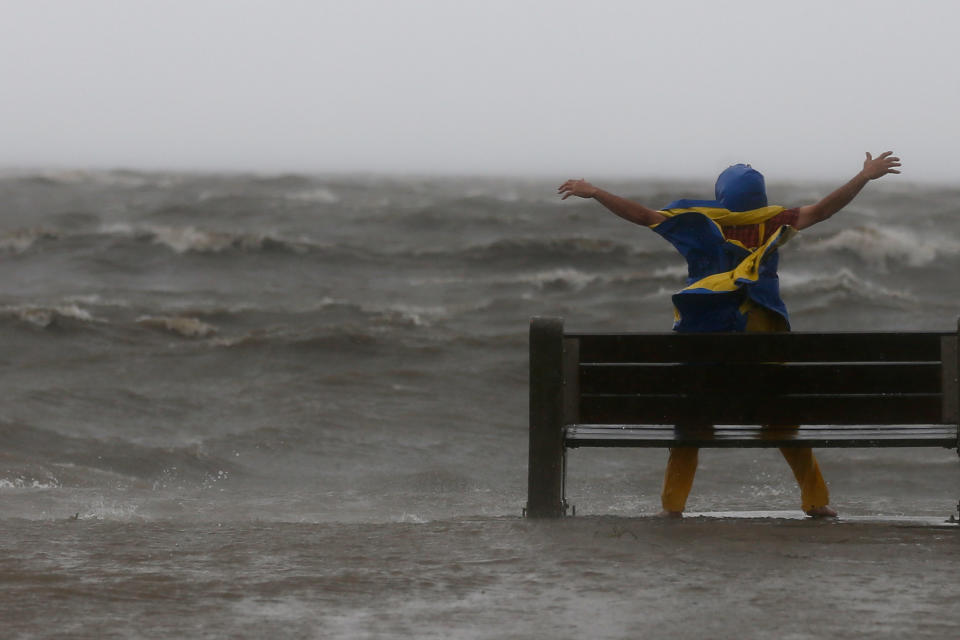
(739, 188)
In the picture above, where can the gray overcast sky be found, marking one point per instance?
(626, 88)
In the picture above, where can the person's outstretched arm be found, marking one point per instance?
(626, 209)
(873, 168)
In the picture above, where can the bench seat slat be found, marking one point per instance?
(908, 377)
(761, 347)
(762, 409)
(757, 437)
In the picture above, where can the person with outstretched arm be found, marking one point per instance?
(730, 245)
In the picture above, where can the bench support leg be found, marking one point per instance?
(950, 357)
(546, 464)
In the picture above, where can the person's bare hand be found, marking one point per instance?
(580, 188)
(883, 164)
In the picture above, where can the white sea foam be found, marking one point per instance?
(880, 246)
(211, 479)
(93, 299)
(68, 177)
(659, 294)
(21, 482)
(676, 271)
(411, 518)
(409, 314)
(322, 195)
(179, 239)
(124, 229)
(184, 239)
(573, 278)
(843, 282)
(184, 326)
(19, 240)
(418, 315)
(45, 316)
(102, 509)
(191, 239)
(255, 336)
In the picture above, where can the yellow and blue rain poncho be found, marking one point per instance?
(725, 278)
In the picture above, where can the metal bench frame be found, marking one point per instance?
(844, 389)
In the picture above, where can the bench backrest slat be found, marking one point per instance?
(761, 378)
(760, 347)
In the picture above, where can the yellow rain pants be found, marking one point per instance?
(682, 464)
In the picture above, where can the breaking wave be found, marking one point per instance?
(322, 195)
(47, 316)
(20, 240)
(843, 284)
(77, 455)
(184, 326)
(881, 246)
(190, 239)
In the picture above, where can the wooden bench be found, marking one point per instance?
(668, 389)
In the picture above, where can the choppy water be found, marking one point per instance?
(325, 361)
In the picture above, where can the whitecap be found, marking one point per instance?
(677, 271)
(411, 518)
(190, 239)
(43, 317)
(100, 509)
(19, 240)
(184, 326)
(845, 283)
(407, 315)
(117, 178)
(184, 239)
(573, 278)
(94, 299)
(21, 482)
(123, 229)
(880, 245)
(321, 195)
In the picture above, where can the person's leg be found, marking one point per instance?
(813, 490)
(678, 480)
